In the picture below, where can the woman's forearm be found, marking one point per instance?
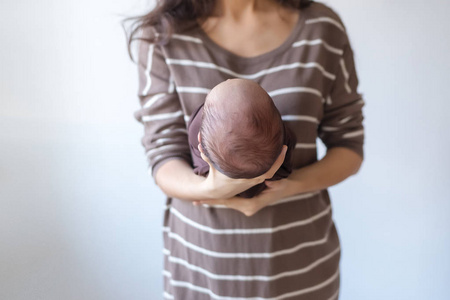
(338, 164)
(176, 179)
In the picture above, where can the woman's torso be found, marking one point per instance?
(293, 245)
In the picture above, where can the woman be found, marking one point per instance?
(283, 243)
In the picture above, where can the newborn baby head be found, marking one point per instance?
(241, 131)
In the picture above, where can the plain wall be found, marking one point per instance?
(80, 218)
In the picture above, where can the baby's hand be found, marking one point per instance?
(219, 186)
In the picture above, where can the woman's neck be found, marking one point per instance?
(241, 8)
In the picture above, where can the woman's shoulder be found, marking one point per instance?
(322, 10)
(323, 20)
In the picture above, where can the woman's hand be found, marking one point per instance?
(219, 186)
(275, 191)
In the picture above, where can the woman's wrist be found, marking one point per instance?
(205, 190)
(306, 180)
(337, 165)
(294, 187)
(176, 179)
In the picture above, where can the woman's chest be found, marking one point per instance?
(298, 80)
(298, 89)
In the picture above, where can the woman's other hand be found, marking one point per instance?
(219, 186)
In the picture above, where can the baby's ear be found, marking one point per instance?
(199, 143)
(203, 156)
(199, 146)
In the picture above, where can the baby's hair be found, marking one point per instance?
(242, 137)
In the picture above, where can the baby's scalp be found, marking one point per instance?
(241, 131)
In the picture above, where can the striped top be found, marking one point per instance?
(288, 250)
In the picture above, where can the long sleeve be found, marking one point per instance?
(342, 122)
(165, 135)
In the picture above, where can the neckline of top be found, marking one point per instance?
(261, 57)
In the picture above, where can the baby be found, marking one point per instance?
(241, 133)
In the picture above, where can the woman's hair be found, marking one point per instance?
(169, 16)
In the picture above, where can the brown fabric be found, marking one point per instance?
(202, 168)
(289, 250)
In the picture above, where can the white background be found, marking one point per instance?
(80, 218)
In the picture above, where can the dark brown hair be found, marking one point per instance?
(170, 16)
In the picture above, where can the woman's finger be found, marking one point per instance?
(272, 184)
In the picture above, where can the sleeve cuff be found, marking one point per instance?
(153, 169)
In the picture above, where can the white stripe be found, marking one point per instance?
(214, 276)
(353, 134)
(327, 20)
(161, 148)
(201, 64)
(203, 290)
(186, 118)
(147, 70)
(192, 89)
(153, 99)
(345, 120)
(329, 102)
(162, 116)
(200, 90)
(246, 255)
(318, 42)
(194, 224)
(171, 87)
(216, 206)
(167, 295)
(299, 118)
(346, 76)
(283, 200)
(295, 90)
(158, 157)
(335, 295)
(171, 130)
(150, 170)
(187, 38)
(163, 140)
(328, 128)
(305, 146)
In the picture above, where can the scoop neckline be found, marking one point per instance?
(261, 57)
